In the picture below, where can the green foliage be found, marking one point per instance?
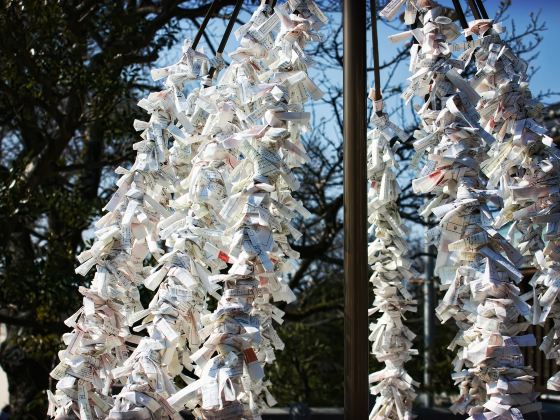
(311, 368)
(311, 371)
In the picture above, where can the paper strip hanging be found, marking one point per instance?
(125, 236)
(265, 85)
(392, 271)
(477, 265)
(523, 165)
(192, 235)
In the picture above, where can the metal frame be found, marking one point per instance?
(356, 351)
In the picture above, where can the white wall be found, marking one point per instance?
(3, 389)
(3, 378)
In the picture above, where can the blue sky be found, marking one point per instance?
(549, 58)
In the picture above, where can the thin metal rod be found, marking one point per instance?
(474, 9)
(375, 47)
(462, 18)
(356, 389)
(227, 33)
(207, 17)
(230, 25)
(482, 9)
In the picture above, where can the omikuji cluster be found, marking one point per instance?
(493, 177)
(204, 217)
(208, 199)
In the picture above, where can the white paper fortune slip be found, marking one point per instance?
(259, 139)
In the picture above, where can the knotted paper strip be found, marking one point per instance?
(129, 232)
(392, 271)
(265, 87)
(479, 268)
(523, 165)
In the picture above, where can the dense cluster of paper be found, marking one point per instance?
(211, 184)
(125, 236)
(392, 270)
(265, 86)
(192, 236)
(478, 266)
(524, 165)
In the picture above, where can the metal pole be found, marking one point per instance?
(207, 17)
(356, 387)
(375, 44)
(229, 27)
(482, 9)
(474, 9)
(428, 323)
(461, 15)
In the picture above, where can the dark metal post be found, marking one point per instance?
(356, 387)
(428, 324)
(229, 27)
(474, 9)
(207, 17)
(375, 49)
(461, 15)
(482, 9)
